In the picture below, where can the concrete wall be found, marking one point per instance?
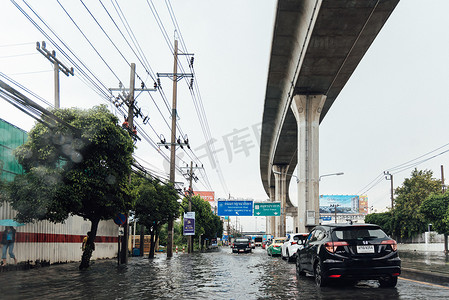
(421, 247)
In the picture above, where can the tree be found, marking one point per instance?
(382, 219)
(156, 203)
(79, 166)
(207, 225)
(435, 209)
(179, 239)
(407, 219)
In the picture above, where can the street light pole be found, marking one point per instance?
(333, 174)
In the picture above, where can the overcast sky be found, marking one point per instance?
(392, 110)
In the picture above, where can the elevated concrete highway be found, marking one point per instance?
(317, 45)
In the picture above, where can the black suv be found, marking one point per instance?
(350, 252)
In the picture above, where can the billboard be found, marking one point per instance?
(206, 195)
(363, 204)
(346, 204)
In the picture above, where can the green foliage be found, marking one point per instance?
(163, 235)
(207, 225)
(156, 204)
(179, 239)
(382, 219)
(407, 218)
(77, 167)
(436, 210)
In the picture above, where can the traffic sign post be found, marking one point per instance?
(235, 208)
(189, 223)
(267, 208)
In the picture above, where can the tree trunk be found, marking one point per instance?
(153, 242)
(90, 247)
(446, 243)
(142, 239)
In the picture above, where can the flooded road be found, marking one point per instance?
(212, 275)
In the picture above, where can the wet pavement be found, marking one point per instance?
(426, 261)
(428, 266)
(212, 275)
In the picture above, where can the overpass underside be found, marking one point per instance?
(317, 44)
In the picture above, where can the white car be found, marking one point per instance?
(294, 242)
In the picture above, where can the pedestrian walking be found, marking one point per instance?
(85, 242)
(8, 239)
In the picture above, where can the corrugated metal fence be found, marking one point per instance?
(61, 242)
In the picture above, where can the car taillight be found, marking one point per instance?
(392, 243)
(332, 246)
(294, 243)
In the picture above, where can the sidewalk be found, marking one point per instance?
(428, 266)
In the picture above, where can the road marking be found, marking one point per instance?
(426, 283)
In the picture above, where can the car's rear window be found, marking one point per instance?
(300, 238)
(278, 241)
(242, 240)
(357, 233)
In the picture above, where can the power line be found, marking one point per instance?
(18, 44)
(86, 75)
(87, 39)
(197, 101)
(87, 79)
(109, 38)
(33, 72)
(18, 55)
(404, 166)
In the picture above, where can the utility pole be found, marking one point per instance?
(389, 176)
(176, 77)
(335, 210)
(443, 188)
(57, 65)
(124, 254)
(190, 193)
(130, 126)
(190, 246)
(174, 115)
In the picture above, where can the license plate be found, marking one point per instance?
(241, 250)
(365, 249)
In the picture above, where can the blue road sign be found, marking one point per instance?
(235, 208)
(120, 219)
(326, 218)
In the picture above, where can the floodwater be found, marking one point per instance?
(212, 275)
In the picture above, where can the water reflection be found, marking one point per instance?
(214, 275)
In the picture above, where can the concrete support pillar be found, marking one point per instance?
(271, 222)
(280, 191)
(295, 224)
(307, 110)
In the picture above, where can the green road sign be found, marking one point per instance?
(267, 208)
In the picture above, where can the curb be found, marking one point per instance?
(426, 276)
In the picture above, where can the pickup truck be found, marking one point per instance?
(241, 245)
